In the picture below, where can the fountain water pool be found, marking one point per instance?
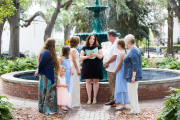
(156, 83)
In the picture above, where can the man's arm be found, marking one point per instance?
(112, 59)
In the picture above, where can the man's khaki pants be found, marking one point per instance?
(133, 97)
(112, 81)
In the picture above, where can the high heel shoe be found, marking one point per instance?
(94, 101)
(89, 101)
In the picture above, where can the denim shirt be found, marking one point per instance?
(133, 63)
(46, 66)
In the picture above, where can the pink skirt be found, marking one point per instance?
(63, 97)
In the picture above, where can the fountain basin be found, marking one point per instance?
(96, 8)
(154, 86)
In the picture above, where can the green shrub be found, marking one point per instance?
(171, 110)
(168, 63)
(146, 63)
(142, 51)
(5, 109)
(19, 64)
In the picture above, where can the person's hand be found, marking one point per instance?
(115, 72)
(72, 73)
(79, 72)
(106, 64)
(36, 73)
(91, 55)
(133, 79)
(94, 54)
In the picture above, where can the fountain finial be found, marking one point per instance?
(96, 2)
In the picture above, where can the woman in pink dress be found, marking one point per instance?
(63, 97)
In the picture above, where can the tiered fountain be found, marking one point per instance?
(97, 23)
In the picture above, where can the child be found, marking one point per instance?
(121, 91)
(65, 61)
(63, 97)
(158, 50)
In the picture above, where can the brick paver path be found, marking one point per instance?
(91, 112)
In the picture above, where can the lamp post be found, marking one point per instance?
(148, 47)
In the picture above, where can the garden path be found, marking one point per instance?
(28, 109)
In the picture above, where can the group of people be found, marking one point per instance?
(59, 87)
(124, 70)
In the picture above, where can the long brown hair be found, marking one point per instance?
(50, 45)
(95, 42)
(64, 52)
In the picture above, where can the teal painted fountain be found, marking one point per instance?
(97, 24)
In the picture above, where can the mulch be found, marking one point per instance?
(33, 114)
(146, 114)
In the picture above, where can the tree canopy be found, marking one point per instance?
(7, 7)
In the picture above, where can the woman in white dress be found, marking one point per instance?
(74, 57)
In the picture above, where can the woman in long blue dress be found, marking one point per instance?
(121, 91)
(48, 67)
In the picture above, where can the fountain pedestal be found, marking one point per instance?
(97, 24)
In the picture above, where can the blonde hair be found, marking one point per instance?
(63, 68)
(74, 41)
(129, 38)
(50, 46)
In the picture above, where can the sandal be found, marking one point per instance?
(68, 107)
(65, 109)
(51, 113)
(121, 107)
(60, 112)
(89, 101)
(94, 101)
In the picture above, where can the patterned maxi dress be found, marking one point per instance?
(47, 94)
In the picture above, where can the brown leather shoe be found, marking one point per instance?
(114, 105)
(109, 103)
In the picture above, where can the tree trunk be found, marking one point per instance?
(1, 31)
(50, 26)
(170, 31)
(176, 7)
(14, 32)
(67, 33)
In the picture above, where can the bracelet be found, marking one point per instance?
(134, 76)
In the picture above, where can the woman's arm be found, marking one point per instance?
(72, 73)
(100, 55)
(45, 55)
(82, 57)
(61, 60)
(73, 55)
(121, 56)
(135, 61)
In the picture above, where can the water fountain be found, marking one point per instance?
(97, 24)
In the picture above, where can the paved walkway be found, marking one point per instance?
(84, 112)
